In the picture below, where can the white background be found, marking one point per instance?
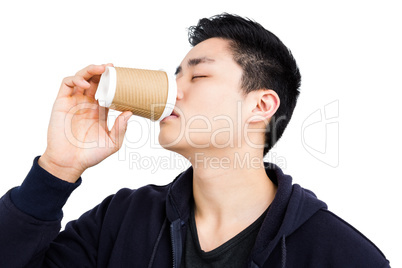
(349, 53)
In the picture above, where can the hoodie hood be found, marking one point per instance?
(291, 207)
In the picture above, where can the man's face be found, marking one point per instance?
(209, 100)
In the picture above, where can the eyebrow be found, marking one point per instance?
(194, 62)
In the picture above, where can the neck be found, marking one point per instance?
(230, 189)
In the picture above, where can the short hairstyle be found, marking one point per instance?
(266, 62)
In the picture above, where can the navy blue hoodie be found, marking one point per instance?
(147, 228)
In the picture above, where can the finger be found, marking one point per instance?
(71, 85)
(94, 81)
(91, 71)
(103, 113)
(119, 129)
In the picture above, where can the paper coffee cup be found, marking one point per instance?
(146, 93)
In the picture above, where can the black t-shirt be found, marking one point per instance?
(233, 253)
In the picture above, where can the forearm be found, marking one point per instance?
(30, 216)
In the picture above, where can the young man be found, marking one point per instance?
(236, 91)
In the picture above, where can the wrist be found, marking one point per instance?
(42, 195)
(65, 173)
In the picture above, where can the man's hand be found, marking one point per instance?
(78, 136)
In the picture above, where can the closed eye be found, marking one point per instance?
(198, 76)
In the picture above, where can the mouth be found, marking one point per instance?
(173, 115)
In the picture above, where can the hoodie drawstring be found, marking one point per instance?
(283, 247)
(151, 262)
(283, 251)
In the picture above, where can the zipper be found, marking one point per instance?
(175, 235)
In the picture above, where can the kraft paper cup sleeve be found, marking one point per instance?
(146, 93)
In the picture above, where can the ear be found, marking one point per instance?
(266, 104)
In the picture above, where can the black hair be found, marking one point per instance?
(266, 62)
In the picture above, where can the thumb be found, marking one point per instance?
(119, 129)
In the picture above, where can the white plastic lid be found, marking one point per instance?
(171, 99)
(106, 87)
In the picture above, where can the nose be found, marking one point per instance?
(180, 93)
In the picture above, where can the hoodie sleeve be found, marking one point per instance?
(30, 217)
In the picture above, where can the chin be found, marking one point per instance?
(168, 141)
(170, 134)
